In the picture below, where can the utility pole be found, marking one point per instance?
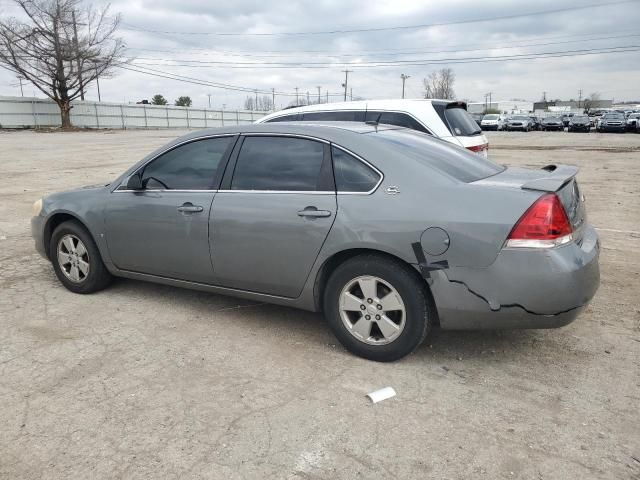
(256, 105)
(544, 97)
(273, 99)
(318, 87)
(346, 82)
(20, 80)
(490, 102)
(579, 97)
(209, 95)
(351, 94)
(327, 96)
(486, 95)
(404, 79)
(297, 102)
(308, 101)
(98, 85)
(75, 45)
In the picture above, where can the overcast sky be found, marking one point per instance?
(614, 75)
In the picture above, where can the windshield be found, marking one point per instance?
(490, 117)
(519, 117)
(581, 118)
(455, 162)
(552, 119)
(460, 122)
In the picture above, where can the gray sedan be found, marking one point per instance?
(389, 232)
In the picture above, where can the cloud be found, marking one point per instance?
(612, 74)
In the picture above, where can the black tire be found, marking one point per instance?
(97, 278)
(419, 306)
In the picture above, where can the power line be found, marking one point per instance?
(207, 83)
(382, 64)
(386, 29)
(382, 52)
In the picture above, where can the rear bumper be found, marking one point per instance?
(37, 232)
(523, 288)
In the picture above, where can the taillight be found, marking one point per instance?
(479, 148)
(543, 225)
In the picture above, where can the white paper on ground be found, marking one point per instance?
(382, 394)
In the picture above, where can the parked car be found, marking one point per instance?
(493, 121)
(552, 123)
(386, 230)
(579, 123)
(566, 118)
(443, 119)
(535, 122)
(519, 122)
(477, 117)
(612, 122)
(632, 121)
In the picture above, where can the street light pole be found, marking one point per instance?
(404, 79)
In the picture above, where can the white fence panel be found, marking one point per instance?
(22, 112)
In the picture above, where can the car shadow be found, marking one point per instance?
(304, 326)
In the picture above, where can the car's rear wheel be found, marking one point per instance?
(377, 307)
(76, 259)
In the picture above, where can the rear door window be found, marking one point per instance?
(351, 174)
(280, 164)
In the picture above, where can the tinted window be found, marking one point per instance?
(452, 161)
(278, 163)
(351, 174)
(460, 122)
(395, 118)
(285, 118)
(192, 166)
(338, 116)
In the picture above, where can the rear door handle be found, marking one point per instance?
(189, 207)
(313, 212)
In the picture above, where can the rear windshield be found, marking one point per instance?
(455, 162)
(461, 123)
(490, 117)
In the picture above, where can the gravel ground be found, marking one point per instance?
(148, 381)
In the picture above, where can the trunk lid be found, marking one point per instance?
(559, 179)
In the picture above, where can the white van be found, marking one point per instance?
(444, 119)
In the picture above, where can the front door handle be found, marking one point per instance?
(313, 212)
(189, 207)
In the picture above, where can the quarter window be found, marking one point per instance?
(279, 163)
(351, 174)
(192, 166)
(396, 118)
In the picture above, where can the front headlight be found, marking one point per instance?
(37, 207)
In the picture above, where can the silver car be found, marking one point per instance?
(388, 231)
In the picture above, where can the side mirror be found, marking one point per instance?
(134, 182)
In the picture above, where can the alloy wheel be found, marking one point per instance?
(73, 258)
(372, 310)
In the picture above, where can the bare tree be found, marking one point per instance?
(591, 101)
(264, 103)
(60, 48)
(440, 84)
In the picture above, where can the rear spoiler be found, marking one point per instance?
(559, 176)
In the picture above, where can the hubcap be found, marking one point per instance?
(372, 310)
(73, 258)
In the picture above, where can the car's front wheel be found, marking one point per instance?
(377, 307)
(76, 259)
